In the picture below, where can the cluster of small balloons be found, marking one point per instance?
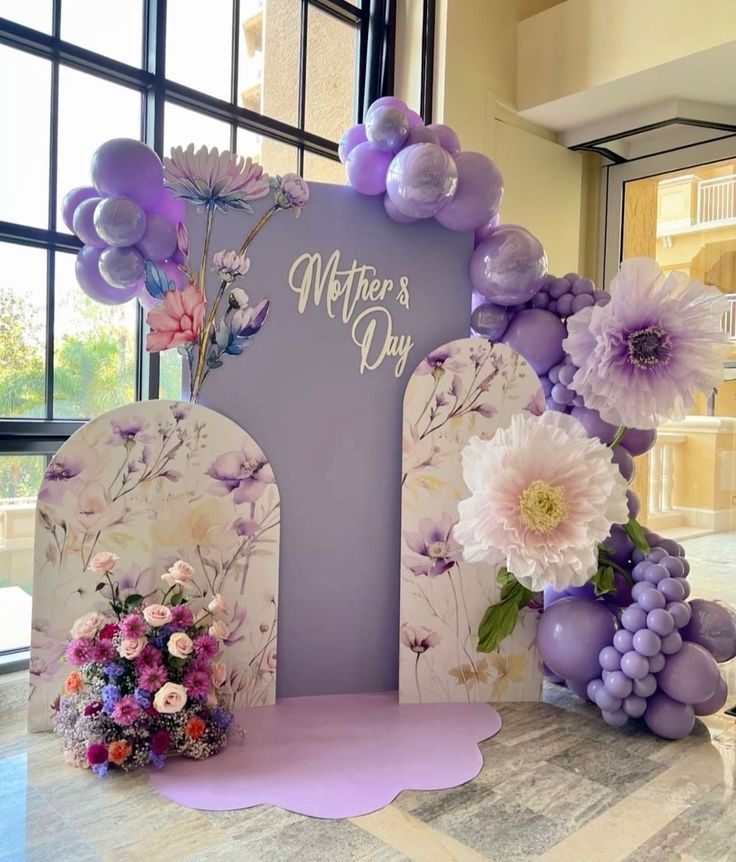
(644, 652)
(124, 218)
(420, 170)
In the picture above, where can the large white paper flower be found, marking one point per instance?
(544, 494)
(642, 358)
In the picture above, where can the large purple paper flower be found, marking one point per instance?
(128, 430)
(59, 476)
(438, 551)
(642, 358)
(245, 474)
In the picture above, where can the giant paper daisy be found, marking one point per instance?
(544, 494)
(642, 358)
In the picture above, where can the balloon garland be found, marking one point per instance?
(628, 640)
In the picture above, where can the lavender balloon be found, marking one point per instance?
(421, 180)
(478, 195)
(386, 127)
(490, 321)
(120, 221)
(159, 240)
(691, 675)
(395, 214)
(72, 200)
(715, 703)
(349, 141)
(390, 102)
(594, 425)
(87, 270)
(128, 168)
(121, 267)
(509, 266)
(668, 718)
(713, 626)
(537, 335)
(446, 137)
(172, 208)
(421, 135)
(366, 168)
(483, 232)
(571, 634)
(83, 223)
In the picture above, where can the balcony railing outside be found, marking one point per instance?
(716, 200)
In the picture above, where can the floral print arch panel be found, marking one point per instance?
(154, 482)
(466, 388)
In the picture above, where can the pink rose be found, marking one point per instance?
(156, 615)
(219, 629)
(180, 573)
(180, 645)
(294, 190)
(218, 607)
(132, 647)
(88, 625)
(170, 698)
(102, 562)
(218, 673)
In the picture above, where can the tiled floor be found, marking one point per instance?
(558, 785)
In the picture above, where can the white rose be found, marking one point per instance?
(132, 647)
(170, 698)
(180, 573)
(103, 562)
(219, 629)
(180, 645)
(88, 625)
(157, 615)
(218, 607)
(218, 673)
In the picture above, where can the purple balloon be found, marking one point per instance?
(578, 688)
(72, 200)
(171, 207)
(172, 273)
(655, 574)
(121, 267)
(349, 141)
(490, 321)
(634, 706)
(645, 686)
(390, 102)
(635, 666)
(593, 688)
(421, 180)
(671, 643)
(681, 612)
(649, 599)
(715, 703)
(478, 195)
(624, 462)
(93, 284)
(647, 643)
(128, 168)
(674, 566)
(508, 268)
(537, 335)
(656, 662)
(395, 214)
(120, 221)
(668, 718)
(421, 135)
(159, 240)
(661, 622)
(483, 232)
(634, 619)
(609, 658)
(446, 137)
(605, 700)
(414, 119)
(638, 442)
(366, 168)
(618, 544)
(552, 677)
(617, 718)
(83, 223)
(633, 502)
(571, 634)
(618, 684)
(594, 425)
(713, 626)
(691, 675)
(387, 127)
(621, 594)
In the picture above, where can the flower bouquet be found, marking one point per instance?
(148, 678)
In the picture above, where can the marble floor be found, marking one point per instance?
(558, 785)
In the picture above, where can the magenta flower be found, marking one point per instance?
(79, 651)
(181, 617)
(93, 708)
(126, 711)
(438, 551)
(245, 474)
(197, 682)
(97, 754)
(160, 742)
(103, 650)
(133, 626)
(149, 658)
(206, 646)
(152, 678)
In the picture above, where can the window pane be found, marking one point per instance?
(170, 384)
(94, 349)
(331, 55)
(323, 170)
(22, 331)
(91, 111)
(35, 14)
(20, 476)
(268, 58)
(199, 46)
(275, 156)
(25, 193)
(183, 127)
(106, 27)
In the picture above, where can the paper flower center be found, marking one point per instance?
(438, 550)
(248, 468)
(647, 347)
(542, 506)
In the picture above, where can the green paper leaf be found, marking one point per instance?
(603, 581)
(177, 599)
(636, 534)
(100, 586)
(133, 600)
(500, 619)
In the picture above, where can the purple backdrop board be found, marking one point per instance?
(329, 412)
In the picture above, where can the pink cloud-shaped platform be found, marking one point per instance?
(335, 756)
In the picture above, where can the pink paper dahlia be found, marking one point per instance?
(544, 494)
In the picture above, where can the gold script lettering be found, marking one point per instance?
(392, 345)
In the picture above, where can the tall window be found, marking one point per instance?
(277, 80)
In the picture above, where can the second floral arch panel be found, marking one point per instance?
(464, 389)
